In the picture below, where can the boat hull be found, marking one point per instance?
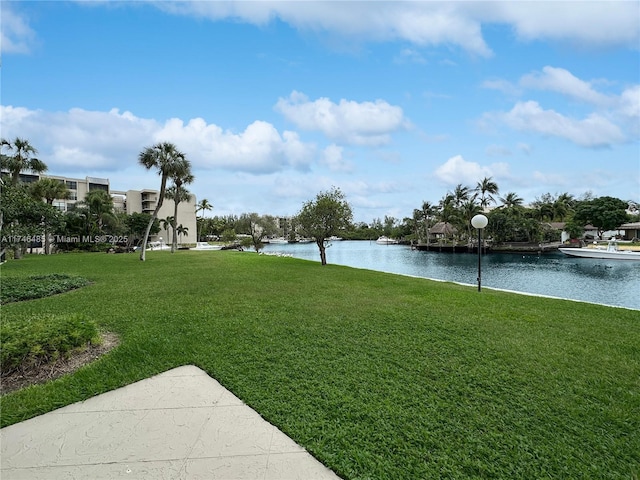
(602, 254)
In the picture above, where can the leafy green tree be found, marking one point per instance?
(168, 161)
(229, 235)
(325, 217)
(20, 157)
(137, 225)
(260, 226)
(24, 217)
(604, 213)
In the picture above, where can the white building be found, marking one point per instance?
(131, 201)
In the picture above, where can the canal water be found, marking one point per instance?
(609, 282)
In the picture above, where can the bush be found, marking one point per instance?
(16, 289)
(34, 340)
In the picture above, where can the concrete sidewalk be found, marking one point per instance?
(181, 424)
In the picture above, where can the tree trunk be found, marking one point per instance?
(323, 251)
(175, 221)
(47, 242)
(153, 217)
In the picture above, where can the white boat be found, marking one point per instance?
(206, 246)
(386, 241)
(278, 240)
(612, 252)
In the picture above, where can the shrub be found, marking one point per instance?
(15, 289)
(34, 340)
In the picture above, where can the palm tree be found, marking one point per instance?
(428, 211)
(460, 195)
(178, 194)
(182, 231)
(203, 205)
(168, 160)
(49, 189)
(167, 224)
(99, 205)
(22, 158)
(511, 200)
(467, 211)
(563, 205)
(487, 188)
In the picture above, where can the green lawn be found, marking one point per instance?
(379, 376)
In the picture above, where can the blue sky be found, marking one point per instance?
(395, 103)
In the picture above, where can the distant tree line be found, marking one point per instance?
(27, 211)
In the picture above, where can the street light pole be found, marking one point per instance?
(479, 222)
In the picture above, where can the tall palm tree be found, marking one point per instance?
(49, 189)
(487, 188)
(168, 160)
(21, 158)
(203, 206)
(178, 193)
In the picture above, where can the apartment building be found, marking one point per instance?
(130, 201)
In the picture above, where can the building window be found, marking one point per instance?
(71, 185)
(98, 186)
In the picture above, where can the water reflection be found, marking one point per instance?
(601, 281)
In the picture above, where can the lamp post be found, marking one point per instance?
(479, 222)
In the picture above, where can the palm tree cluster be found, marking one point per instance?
(29, 210)
(509, 219)
(171, 164)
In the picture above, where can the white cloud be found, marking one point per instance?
(501, 85)
(259, 149)
(410, 55)
(426, 24)
(592, 131)
(525, 148)
(584, 23)
(549, 179)
(497, 150)
(110, 141)
(16, 36)
(366, 123)
(421, 23)
(334, 160)
(564, 82)
(457, 170)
